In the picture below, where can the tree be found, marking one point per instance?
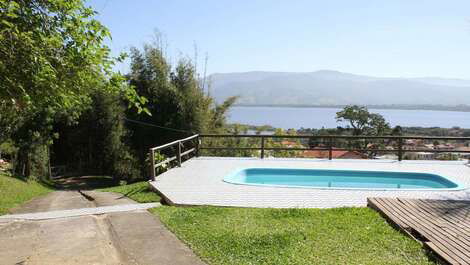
(364, 123)
(52, 59)
(176, 100)
(97, 143)
(52, 53)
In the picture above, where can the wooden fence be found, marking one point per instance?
(198, 145)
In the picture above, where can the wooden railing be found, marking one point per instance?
(198, 145)
(179, 153)
(330, 143)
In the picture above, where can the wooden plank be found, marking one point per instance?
(442, 210)
(187, 152)
(443, 239)
(447, 206)
(450, 207)
(441, 253)
(460, 222)
(376, 204)
(450, 228)
(165, 161)
(441, 219)
(446, 235)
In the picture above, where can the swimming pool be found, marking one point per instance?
(340, 179)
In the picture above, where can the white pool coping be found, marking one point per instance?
(199, 181)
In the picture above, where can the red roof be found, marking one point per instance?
(334, 154)
(288, 143)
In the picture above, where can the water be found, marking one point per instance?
(321, 178)
(296, 118)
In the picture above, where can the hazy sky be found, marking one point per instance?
(406, 38)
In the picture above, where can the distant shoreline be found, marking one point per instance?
(460, 108)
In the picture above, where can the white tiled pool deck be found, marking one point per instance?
(199, 181)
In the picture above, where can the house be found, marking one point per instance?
(445, 147)
(334, 154)
(420, 156)
(387, 157)
(463, 149)
(290, 144)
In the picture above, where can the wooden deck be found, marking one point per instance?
(443, 226)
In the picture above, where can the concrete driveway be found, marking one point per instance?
(111, 237)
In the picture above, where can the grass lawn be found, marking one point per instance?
(291, 236)
(139, 192)
(14, 192)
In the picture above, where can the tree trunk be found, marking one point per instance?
(22, 166)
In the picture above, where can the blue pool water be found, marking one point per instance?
(325, 178)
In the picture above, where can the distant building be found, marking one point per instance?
(387, 157)
(464, 149)
(290, 144)
(334, 154)
(420, 156)
(445, 147)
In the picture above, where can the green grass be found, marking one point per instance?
(14, 191)
(139, 192)
(291, 236)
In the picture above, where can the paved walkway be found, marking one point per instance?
(66, 227)
(78, 212)
(200, 182)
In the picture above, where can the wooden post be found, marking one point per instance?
(198, 139)
(152, 165)
(400, 149)
(330, 148)
(178, 154)
(262, 147)
(49, 170)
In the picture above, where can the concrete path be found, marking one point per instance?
(68, 227)
(78, 212)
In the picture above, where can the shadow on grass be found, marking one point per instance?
(136, 191)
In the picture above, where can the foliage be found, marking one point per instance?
(281, 143)
(52, 53)
(7, 150)
(14, 191)
(362, 121)
(139, 192)
(176, 100)
(447, 157)
(366, 124)
(97, 142)
(32, 138)
(243, 142)
(52, 59)
(291, 236)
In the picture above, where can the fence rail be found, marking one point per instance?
(330, 148)
(179, 153)
(198, 145)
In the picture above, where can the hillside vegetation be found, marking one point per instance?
(14, 191)
(337, 88)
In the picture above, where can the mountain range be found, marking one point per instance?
(326, 87)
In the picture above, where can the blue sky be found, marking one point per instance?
(399, 38)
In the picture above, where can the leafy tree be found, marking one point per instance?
(52, 59)
(277, 143)
(52, 54)
(96, 144)
(176, 100)
(364, 123)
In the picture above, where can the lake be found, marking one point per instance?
(283, 117)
